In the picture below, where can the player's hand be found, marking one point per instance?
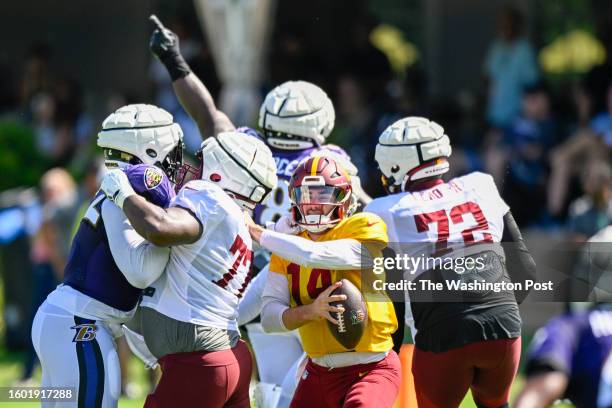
(285, 225)
(254, 230)
(164, 44)
(117, 187)
(321, 308)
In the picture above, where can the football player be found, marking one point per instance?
(296, 117)
(334, 245)
(566, 359)
(463, 340)
(74, 329)
(188, 316)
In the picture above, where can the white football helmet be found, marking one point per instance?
(411, 149)
(242, 165)
(142, 133)
(296, 115)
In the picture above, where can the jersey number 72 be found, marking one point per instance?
(441, 218)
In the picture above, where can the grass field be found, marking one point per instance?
(10, 368)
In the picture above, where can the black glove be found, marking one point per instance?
(164, 44)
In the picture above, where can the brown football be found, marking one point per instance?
(351, 323)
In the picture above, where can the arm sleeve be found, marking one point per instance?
(519, 262)
(140, 261)
(341, 254)
(251, 303)
(275, 302)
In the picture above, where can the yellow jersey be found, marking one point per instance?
(305, 284)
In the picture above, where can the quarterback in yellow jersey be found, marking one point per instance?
(305, 269)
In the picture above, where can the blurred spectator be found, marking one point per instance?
(602, 122)
(51, 244)
(59, 123)
(510, 66)
(593, 211)
(20, 218)
(87, 190)
(566, 359)
(356, 128)
(36, 77)
(599, 77)
(292, 59)
(568, 158)
(525, 147)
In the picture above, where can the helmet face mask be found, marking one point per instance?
(188, 172)
(321, 193)
(320, 207)
(173, 162)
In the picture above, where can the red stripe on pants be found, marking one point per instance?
(204, 379)
(487, 368)
(361, 385)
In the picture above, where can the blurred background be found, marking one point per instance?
(523, 89)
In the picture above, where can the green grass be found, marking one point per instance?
(11, 366)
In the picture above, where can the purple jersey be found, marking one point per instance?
(91, 269)
(576, 344)
(151, 183)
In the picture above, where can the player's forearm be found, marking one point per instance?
(519, 262)
(146, 218)
(296, 317)
(160, 226)
(251, 304)
(199, 104)
(338, 254)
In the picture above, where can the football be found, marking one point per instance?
(353, 321)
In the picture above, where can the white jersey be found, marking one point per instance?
(465, 210)
(204, 281)
(442, 220)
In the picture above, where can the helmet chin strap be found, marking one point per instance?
(423, 184)
(318, 222)
(242, 202)
(289, 144)
(116, 164)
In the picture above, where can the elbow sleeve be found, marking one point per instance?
(519, 262)
(147, 264)
(272, 317)
(337, 254)
(140, 262)
(251, 304)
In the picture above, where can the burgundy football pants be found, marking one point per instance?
(487, 368)
(372, 385)
(204, 379)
